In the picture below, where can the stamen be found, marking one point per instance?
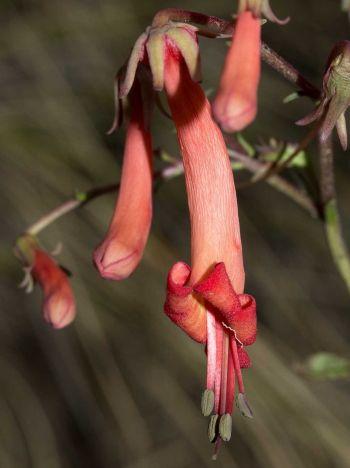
(243, 406)
(230, 383)
(211, 350)
(212, 428)
(208, 400)
(237, 365)
(225, 427)
(219, 340)
(224, 370)
(242, 401)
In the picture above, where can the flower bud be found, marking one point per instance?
(335, 98)
(120, 252)
(235, 105)
(59, 304)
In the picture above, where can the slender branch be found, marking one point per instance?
(81, 198)
(279, 183)
(276, 167)
(287, 70)
(169, 172)
(331, 217)
(213, 26)
(70, 205)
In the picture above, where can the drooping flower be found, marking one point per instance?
(235, 105)
(335, 99)
(207, 301)
(120, 252)
(59, 303)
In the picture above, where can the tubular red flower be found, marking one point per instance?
(121, 250)
(207, 302)
(59, 304)
(215, 234)
(235, 105)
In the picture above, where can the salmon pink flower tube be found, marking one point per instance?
(235, 105)
(207, 301)
(59, 303)
(121, 250)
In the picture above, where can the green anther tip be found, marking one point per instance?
(225, 427)
(212, 427)
(243, 406)
(207, 403)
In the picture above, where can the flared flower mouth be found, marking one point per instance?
(212, 313)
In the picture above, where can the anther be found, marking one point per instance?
(212, 428)
(207, 403)
(225, 427)
(243, 406)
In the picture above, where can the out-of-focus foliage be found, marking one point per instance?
(345, 5)
(326, 366)
(121, 387)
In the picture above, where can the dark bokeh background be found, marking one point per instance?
(121, 387)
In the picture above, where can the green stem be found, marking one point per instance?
(70, 205)
(336, 241)
(331, 217)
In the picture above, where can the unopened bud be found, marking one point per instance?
(335, 97)
(59, 303)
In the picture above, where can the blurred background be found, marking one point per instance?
(121, 387)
